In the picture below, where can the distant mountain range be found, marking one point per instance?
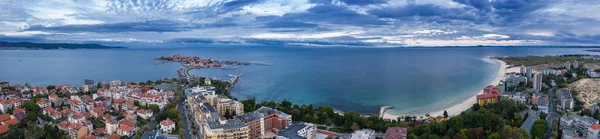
(44, 46)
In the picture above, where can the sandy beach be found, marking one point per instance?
(466, 104)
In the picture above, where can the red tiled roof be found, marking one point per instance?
(3, 129)
(595, 126)
(166, 122)
(4, 117)
(18, 110)
(90, 136)
(11, 122)
(484, 96)
(125, 128)
(128, 122)
(114, 136)
(395, 133)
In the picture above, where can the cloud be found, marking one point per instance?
(305, 22)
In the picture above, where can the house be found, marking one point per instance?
(145, 114)
(43, 103)
(3, 130)
(111, 125)
(396, 133)
(16, 102)
(167, 126)
(77, 131)
(77, 106)
(484, 99)
(98, 111)
(5, 105)
(19, 113)
(125, 130)
(55, 114)
(76, 118)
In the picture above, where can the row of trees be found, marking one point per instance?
(500, 119)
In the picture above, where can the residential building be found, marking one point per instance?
(594, 129)
(580, 123)
(529, 72)
(565, 99)
(518, 97)
(167, 126)
(484, 99)
(265, 120)
(539, 99)
(396, 133)
(570, 133)
(298, 131)
(42, 103)
(362, 134)
(575, 64)
(125, 130)
(53, 113)
(568, 65)
(537, 82)
(522, 70)
(111, 125)
(207, 82)
(502, 87)
(145, 114)
(230, 105)
(490, 89)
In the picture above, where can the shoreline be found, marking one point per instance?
(467, 103)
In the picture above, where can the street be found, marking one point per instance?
(551, 112)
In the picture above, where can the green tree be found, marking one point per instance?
(445, 114)
(539, 128)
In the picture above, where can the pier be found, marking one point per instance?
(382, 110)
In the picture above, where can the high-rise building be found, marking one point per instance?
(575, 64)
(537, 82)
(502, 87)
(568, 65)
(528, 72)
(522, 69)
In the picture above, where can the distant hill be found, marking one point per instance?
(30, 45)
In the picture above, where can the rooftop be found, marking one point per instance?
(292, 131)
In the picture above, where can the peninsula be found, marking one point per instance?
(47, 46)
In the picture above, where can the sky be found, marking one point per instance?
(377, 23)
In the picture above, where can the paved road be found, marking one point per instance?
(551, 112)
(184, 116)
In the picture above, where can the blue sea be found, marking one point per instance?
(413, 80)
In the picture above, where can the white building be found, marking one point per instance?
(207, 81)
(362, 134)
(537, 82)
(565, 99)
(167, 126)
(580, 123)
(593, 130)
(301, 130)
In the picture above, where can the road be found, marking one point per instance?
(184, 116)
(551, 112)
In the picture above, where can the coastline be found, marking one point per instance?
(465, 104)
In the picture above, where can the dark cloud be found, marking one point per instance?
(432, 12)
(364, 2)
(147, 26)
(351, 2)
(333, 14)
(335, 41)
(275, 22)
(238, 4)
